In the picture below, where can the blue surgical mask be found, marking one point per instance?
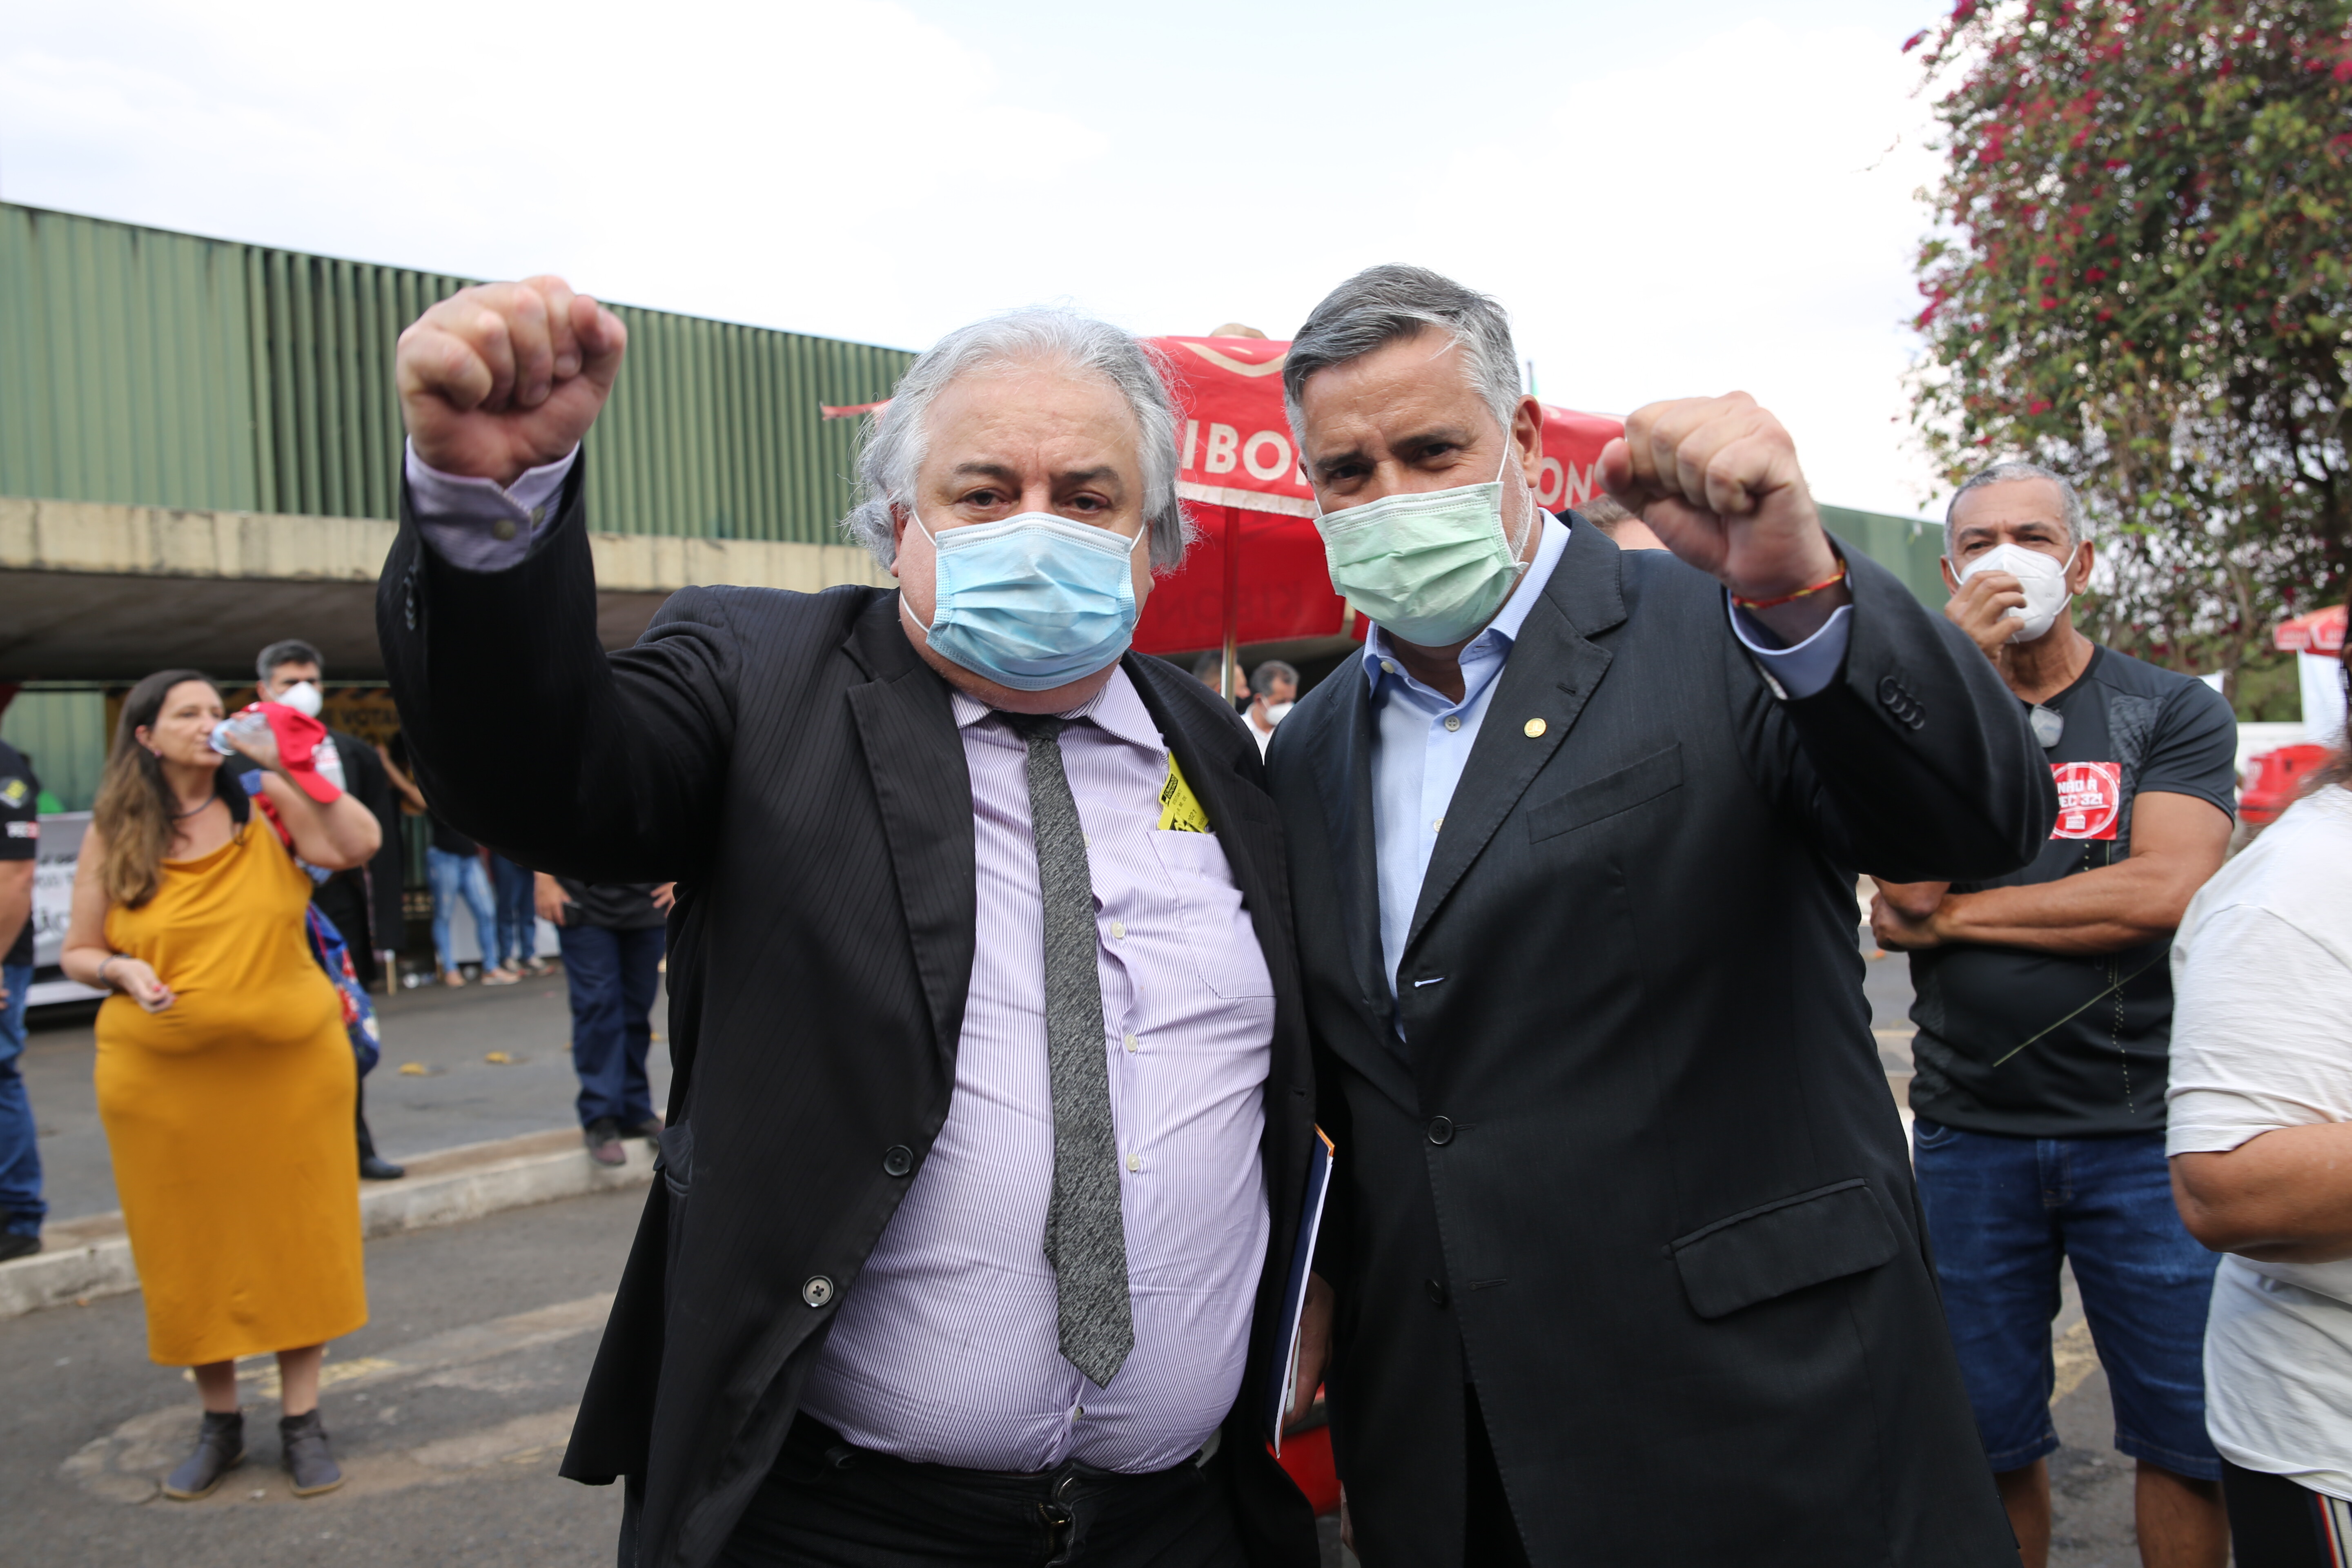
(1032, 602)
(1431, 568)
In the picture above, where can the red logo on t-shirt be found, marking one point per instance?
(2090, 799)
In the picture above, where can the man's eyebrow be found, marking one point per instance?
(1097, 475)
(978, 470)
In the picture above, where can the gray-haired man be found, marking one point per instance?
(991, 1103)
(2044, 1007)
(1623, 1244)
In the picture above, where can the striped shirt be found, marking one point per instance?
(946, 1349)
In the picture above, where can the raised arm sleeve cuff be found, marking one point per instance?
(1804, 670)
(476, 524)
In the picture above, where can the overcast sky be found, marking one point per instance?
(1671, 199)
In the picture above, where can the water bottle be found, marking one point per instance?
(250, 723)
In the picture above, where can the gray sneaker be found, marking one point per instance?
(308, 1458)
(220, 1448)
(603, 1137)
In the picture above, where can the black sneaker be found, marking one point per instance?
(307, 1457)
(373, 1168)
(220, 1448)
(14, 1245)
(650, 1130)
(603, 1137)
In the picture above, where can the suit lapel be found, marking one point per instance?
(906, 724)
(1551, 674)
(1344, 758)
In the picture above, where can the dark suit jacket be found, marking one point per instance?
(1634, 1170)
(794, 767)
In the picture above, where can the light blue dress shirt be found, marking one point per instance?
(1422, 739)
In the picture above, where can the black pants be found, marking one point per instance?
(828, 1505)
(1490, 1538)
(2274, 1523)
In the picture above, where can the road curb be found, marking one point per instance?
(86, 1258)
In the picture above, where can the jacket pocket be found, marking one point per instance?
(1783, 1246)
(1607, 795)
(677, 1162)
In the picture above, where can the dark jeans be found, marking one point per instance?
(21, 1207)
(2002, 1214)
(518, 917)
(828, 1505)
(2274, 1523)
(611, 975)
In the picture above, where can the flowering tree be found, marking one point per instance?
(2142, 275)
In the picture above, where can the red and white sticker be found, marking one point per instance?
(2090, 799)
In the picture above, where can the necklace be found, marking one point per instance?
(184, 815)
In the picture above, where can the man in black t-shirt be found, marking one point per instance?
(21, 1207)
(2045, 1013)
(362, 903)
(613, 936)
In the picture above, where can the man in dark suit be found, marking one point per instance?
(364, 901)
(1622, 1251)
(989, 1128)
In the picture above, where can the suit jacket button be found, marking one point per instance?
(899, 1161)
(1440, 1129)
(1436, 1292)
(817, 1291)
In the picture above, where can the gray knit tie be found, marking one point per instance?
(1085, 1240)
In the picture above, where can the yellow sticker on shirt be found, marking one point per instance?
(1180, 811)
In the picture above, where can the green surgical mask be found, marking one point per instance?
(1430, 568)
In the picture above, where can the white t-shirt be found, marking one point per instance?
(2261, 1038)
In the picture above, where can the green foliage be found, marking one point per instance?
(2141, 278)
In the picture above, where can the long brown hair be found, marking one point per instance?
(135, 810)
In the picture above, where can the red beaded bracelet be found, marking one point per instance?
(1822, 586)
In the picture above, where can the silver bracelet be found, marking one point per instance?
(103, 963)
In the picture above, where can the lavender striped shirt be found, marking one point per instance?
(945, 1349)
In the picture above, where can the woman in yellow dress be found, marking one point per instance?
(225, 1079)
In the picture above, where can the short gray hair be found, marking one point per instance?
(292, 650)
(894, 447)
(2078, 525)
(1383, 305)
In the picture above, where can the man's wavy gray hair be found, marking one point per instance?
(893, 452)
(2070, 500)
(1382, 305)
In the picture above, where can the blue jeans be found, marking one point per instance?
(21, 1207)
(458, 876)
(612, 976)
(510, 894)
(2001, 1214)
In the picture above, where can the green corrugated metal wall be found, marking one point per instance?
(64, 733)
(160, 369)
(1904, 546)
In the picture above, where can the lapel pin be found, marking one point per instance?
(1535, 727)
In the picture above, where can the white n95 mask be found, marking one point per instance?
(303, 698)
(2043, 578)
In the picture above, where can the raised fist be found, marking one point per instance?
(502, 377)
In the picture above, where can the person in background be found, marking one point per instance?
(2044, 1010)
(513, 897)
(453, 863)
(1205, 670)
(1274, 686)
(363, 902)
(226, 1080)
(21, 1208)
(611, 938)
(1628, 532)
(2260, 1137)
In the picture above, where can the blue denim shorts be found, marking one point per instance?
(2001, 1214)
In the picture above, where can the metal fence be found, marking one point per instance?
(142, 366)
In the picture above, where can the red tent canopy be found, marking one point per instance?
(2321, 631)
(1258, 546)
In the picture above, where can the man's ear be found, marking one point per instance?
(897, 536)
(2078, 574)
(1526, 434)
(1951, 578)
